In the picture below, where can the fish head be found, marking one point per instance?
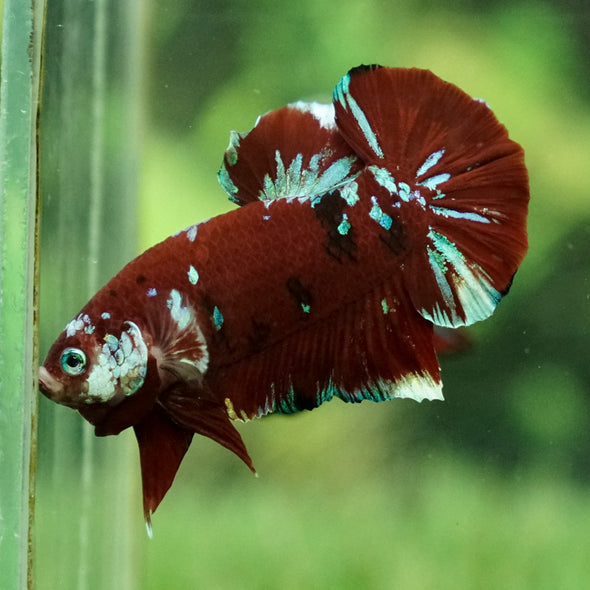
(95, 365)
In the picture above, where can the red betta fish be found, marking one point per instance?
(363, 226)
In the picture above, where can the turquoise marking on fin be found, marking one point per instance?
(287, 404)
(342, 94)
(461, 284)
(350, 194)
(379, 216)
(297, 181)
(404, 191)
(384, 178)
(227, 184)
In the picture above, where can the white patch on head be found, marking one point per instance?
(78, 324)
(119, 368)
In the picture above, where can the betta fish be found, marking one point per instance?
(365, 229)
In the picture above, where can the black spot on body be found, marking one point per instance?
(301, 295)
(330, 213)
(259, 335)
(113, 293)
(140, 279)
(394, 237)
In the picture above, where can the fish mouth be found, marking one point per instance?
(50, 387)
(95, 413)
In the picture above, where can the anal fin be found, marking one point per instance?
(377, 348)
(197, 412)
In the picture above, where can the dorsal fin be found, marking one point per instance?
(294, 151)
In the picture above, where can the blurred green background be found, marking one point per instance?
(490, 489)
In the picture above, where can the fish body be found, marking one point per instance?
(364, 227)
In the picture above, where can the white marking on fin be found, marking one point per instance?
(431, 161)
(342, 94)
(432, 182)
(474, 292)
(321, 112)
(468, 215)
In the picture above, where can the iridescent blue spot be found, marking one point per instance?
(385, 306)
(105, 315)
(193, 275)
(287, 405)
(325, 395)
(217, 318)
(379, 216)
(306, 307)
(344, 226)
(151, 292)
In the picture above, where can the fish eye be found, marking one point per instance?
(73, 361)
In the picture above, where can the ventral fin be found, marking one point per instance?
(294, 151)
(378, 349)
(452, 178)
(162, 445)
(196, 411)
